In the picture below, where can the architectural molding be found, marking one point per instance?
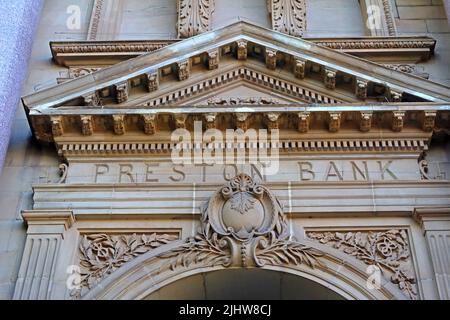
(288, 16)
(194, 17)
(105, 20)
(45, 233)
(389, 250)
(379, 17)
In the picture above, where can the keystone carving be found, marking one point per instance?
(194, 17)
(271, 59)
(183, 69)
(242, 50)
(389, 250)
(119, 124)
(121, 92)
(213, 59)
(152, 81)
(87, 126)
(288, 16)
(242, 225)
(299, 68)
(149, 123)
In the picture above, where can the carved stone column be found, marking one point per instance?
(288, 16)
(18, 21)
(40, 256)
(435, 223)
(194, 17)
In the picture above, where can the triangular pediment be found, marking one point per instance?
(277, 69)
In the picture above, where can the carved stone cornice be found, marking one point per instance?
(288, 16)
(194, 17)
(419, 118)
(87, 53)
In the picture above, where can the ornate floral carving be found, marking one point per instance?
(361, 89)
(288, 16)
(388, 250)
(242, 50)
(271, 59)
(213, 59)
(122, 92)
(242, 101)
(272, 120)
(211, 120)
(194, 17)
(119, 124)
(242, 120)
(299, 68)
(303, 122)
(57, 126)
(408, 68)
(152, 81)
(92, 99)
(183, 69)
(428, 120)
(87, 126)
(330, 78)
(242, 225)
(334, 123)
(180, 121)
(397, 121)
(82, 71)
(149, 123)
(366, 121)
(101, 254)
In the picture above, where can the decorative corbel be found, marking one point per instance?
(271, 59)
(303, 122)
(121, 91)
(152, 81)
(397, 120)
(299, 68)
(57, 126)
(213, 59)
(395, 96)
(87, 126)
(334, 121)
(242, 50)
(91, 99)
(119, 124)
(184, 69)
(194, 17)
(180, 120)
(428, 120)
(330, 78)
(149, 123)
(242, 120)
(361, 89)
(211, 120)
(365, 122)
(272, 121)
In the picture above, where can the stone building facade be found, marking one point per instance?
(349, 195)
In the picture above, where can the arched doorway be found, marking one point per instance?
(244, 284)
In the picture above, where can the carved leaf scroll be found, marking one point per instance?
(194, 17)
(289, 16)
(388, 250)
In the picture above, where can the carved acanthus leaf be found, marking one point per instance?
(242, 101)
(388, 250)
(288, 16)
(194, 17)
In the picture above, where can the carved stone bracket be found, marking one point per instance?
(242, 50)
(334, 122)
(303, 122)
(397, 121)
(271, 59)
(361, 89)
(330, 78)
(211, 120)
(299, 68)
(288, 16)
(183, 69)
(121, 92)
(395, 96)
(272, 121)
(119, 124)
(57, 126)
(428, 120)
(87, 125)
(152, 81)
(388, 250)
(180, 121)
(194, 17)
(242, 120)
(91, 99)
(213, 59)
(149, 123)
(366, 121)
